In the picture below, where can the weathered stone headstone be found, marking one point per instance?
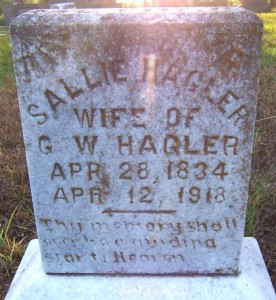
(257, 6)
(138, 126)
(63, 5)
(11, 11)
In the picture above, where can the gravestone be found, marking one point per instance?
(257, 6)
(11, 11)
(97, 3)
(138, 126)
(63, 5)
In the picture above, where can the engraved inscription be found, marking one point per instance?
(114, 72)
(138, 139)
(89, 181)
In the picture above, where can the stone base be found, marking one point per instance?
(30, 282)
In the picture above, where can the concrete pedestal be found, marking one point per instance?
(30, 282)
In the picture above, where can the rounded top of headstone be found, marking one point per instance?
(177, 15)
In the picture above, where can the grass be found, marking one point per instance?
(261, 210)
(6, 64)
(262, 185)
(16, 217)
(261, 193)
(269, 39)
(9, 247)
